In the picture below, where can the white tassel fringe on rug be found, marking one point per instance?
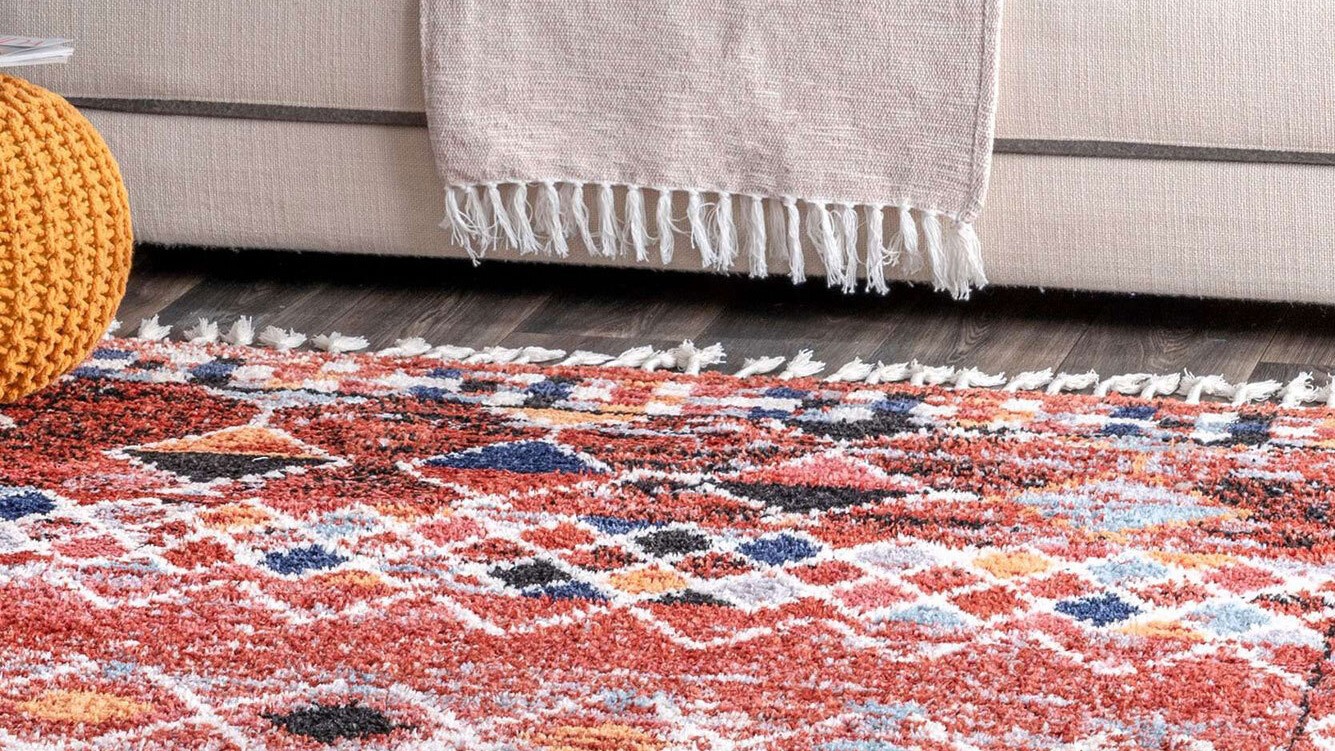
(691, 359)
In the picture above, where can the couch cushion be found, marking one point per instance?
(1224, 73)
(1254, 231)
(355, 54)
(1227, 73)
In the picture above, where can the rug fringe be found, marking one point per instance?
(849, 238)
(693, 360)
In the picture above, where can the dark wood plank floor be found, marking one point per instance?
(452, 302)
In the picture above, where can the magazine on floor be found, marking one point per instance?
(22, 50)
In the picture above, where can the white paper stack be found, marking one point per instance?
(20, 50)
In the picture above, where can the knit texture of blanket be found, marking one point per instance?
(745, 129)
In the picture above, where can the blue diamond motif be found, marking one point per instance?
(1136, 412)
(1230, 619)
(897, 404)
(16, 503)
(1250, 428)
(927, 615)
(778, 550)
(1100, 611)
(214, 371)
(1115, 506)
(614, 526)
(568, 591)
(301, 560)
(524, 457)
(1127, 569)
(551, 389)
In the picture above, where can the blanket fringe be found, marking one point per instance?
(731, 232)
(693, 360)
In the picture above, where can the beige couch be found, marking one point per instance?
(1182, 148)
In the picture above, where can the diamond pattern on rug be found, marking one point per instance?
(216, 548)
(230, 454)
(527, 457)
(16, 503)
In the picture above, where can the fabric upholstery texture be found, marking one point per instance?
(353, 54)
(65, 240)
(862, 103)
(1233, 73)
(1167, 227)
(768, 119)
(1237, 75)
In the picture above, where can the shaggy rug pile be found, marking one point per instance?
(211, 547)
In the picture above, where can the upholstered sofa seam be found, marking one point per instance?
(1026, 146)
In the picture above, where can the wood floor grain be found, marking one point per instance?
(1162, 335)
(1000, 330)
(1008, 332)
(154, 285)
(637, 314)
(838, 330)
(1303, 343)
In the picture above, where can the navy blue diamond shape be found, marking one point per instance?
(16, 503)
(614, 526)
(1100, 611)
(779, 549)
(301, 560)
(216, 372)
(523, 457)
(568, 591)
(896, 403)
(1134, 412)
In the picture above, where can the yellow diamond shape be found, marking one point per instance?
(1192, 560)
(87, 707)
(648, 581)
(1162, 630)
(606, 737)
(1008, 565)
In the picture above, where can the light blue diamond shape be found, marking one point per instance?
(1230, 618)
(1127, 570)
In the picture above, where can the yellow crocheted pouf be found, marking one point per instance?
(65, 241)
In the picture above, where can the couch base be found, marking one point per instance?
(1201, 228)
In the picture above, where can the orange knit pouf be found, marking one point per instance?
(65, 240)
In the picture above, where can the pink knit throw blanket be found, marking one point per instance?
(745, 130)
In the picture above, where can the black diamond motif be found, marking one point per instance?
(805, 498)
(667, 542)
(531, 574)
(328, 723)
(691, 597)
(883, 423)
(479, 387)
(206, 466)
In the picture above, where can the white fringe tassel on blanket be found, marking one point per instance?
(854, 241)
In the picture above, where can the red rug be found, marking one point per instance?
(205, 547)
